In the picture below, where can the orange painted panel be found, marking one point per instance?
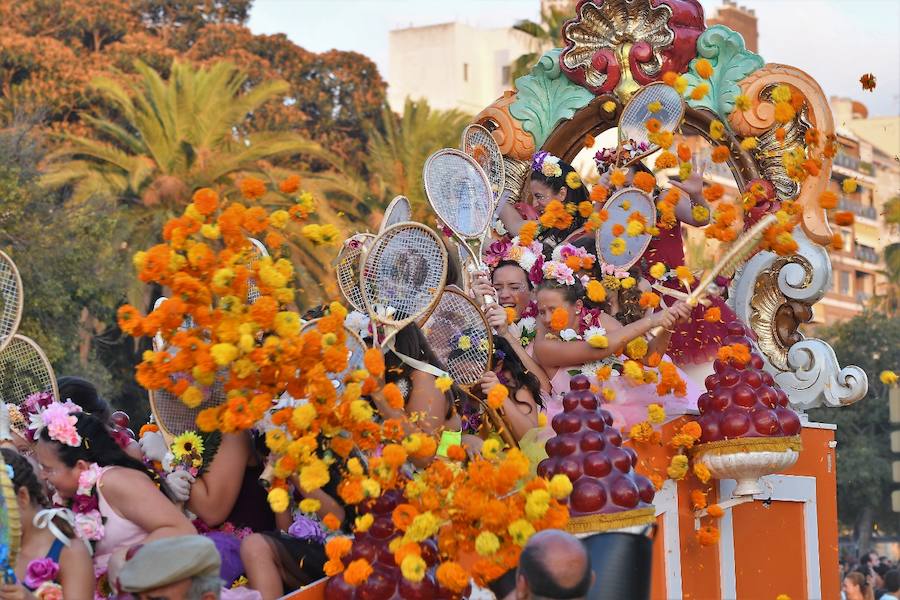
(769, 550)
(658, 573)
(314, 591)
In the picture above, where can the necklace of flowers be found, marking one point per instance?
(86, 506)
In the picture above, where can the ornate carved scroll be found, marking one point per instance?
(514, 141)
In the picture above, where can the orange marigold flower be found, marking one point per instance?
(255, 220)
(649, 300)
(653, 125)
(206, 200)
(714, 192)
(599, 193)
(333, 567)
(252, 188)
(373, 359)
(666, 160)
(585, 209)
(456, 452)
(707, 535)
(720, 154)
(684, 152)
(290, 185)
(713, 314)
(497, 395)
(617, 178)
(784, 112)
(393, 395)
(357, 572)
(338, 547)
(837, 241)
(559, 319)
(692, 429)
(698, 499)
(527, 232)
(146, 428)
(130, 320)
(700, 91)
(780, 133)
(704, 68)
(403, 516)
(394, 455)
(828, 200)
(588, 141)
(511, 315)
(452, 576)
(618, 229)
(715, 511)
(844, 218)
(331, 522)
(644, 181)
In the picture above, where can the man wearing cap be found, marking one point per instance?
(175, 568)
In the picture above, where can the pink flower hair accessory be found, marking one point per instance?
(59, 420)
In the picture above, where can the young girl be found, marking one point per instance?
(51, 553)
(116, 500)
(551, 180)
(521, 407)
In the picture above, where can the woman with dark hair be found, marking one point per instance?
(520, 408)
(50, 552)
(84, 394)
(115, 498)
(554, 182)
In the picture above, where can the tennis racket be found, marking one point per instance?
(346, 267)
(10, 526)
(461, 338)
(25, 370)
(641, 108)
(11, 299)
(356, 350)
(460, 194)
(478, 143)
(398, 211)
(257, 252)
(401, 276)
(621, 207)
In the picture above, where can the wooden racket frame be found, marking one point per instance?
(493, 146)
(606, 205)
(14, 534)
(631, 102)
(337, 265)
(17, 320)
(390, 209)
(54, 388)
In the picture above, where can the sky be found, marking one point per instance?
(835, 41)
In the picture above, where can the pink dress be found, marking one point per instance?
(698, 340)
(119, 532)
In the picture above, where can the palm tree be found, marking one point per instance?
(545, 35)
(889, 301)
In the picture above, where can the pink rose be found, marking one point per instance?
(49, 591)
(40, 571)
(90, 525)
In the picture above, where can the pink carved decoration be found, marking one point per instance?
(760, 117)
(514, 141)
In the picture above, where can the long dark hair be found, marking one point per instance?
(575, 195)
(98, 446)
(84, 393)
(571, 293)
(520, 377)
(24, 476)
(512, 263)
(630, 309)
(411, 342)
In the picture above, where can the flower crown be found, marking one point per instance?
(616, 277)
(606, 157)
(59, 420)
(561, 273)
(547, 164)
(574, 257)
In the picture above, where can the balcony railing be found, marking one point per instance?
(858, 209)
(865, 254)
(853, 163)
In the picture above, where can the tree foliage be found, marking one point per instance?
(545, 35)
(872, 342)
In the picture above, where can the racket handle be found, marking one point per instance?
(266, 477)
(501, 427)
(5, 434)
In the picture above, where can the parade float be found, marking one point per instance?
(741, 492)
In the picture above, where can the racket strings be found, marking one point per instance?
(403, 272)
(459, 337)
(633, 122)
(175, 417)
(347, 270)
(24, 370)
(480, 145)
(356, 351)
(459, 192)
(10, 299)
(398, 212)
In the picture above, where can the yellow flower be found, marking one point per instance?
(413, 567)
(658, 270)
(210, 232)
(278, 500)
(656, 414)
(423, 527)
(465, 342)
(633, 371)
(654, 107)
(310, 505)
(276, 441)
(749, 143)
(636, 348)
(313, 476)
(684, 274)
(536, 504)
(412, 443)
(617, 246)
(362, 524)
(742, 103)
(224, 354)
(681, 84)
(595, 291)
(287, 323)
(849, 185)
(716, 129)
(635, 228)
(684, 170)
(491, 448)
(781, 93)
(371, 488)
(222, 278)
(678, 467)
(521, 531)
(628, 283)
(186, 444)
(542, 419)
(598, 341)
(486, 544)
(700, 213)
(354, 467)
(361, 411)
(303, 416)
(702, 472)
(560, 486)
(271, 276)
(279, 219)
(609, 394)
(192, 397)
(443, 383)
(888, 377)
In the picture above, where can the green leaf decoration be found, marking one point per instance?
(546, 97)
(731, 61)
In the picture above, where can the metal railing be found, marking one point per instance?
(857, 208)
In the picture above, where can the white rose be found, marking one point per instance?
(569, 335)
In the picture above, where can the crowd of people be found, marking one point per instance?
(870, 577)
(101, 517)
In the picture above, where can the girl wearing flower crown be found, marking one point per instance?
(52, 562)
(116, 501)
(556, 192)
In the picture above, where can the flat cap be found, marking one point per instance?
(169, 560)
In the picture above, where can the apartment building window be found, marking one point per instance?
(465, 71)
(505, 75)
(844, 283)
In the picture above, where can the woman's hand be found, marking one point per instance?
(180, 482)
(682, 312)
(15, 591)
(472, 445)
(664, 318)
(481, 287)
(487, 382)
(496, 318)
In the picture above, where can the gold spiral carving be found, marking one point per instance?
(760, 118)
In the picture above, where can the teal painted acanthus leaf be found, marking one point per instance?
(731, 61)
(546, 96)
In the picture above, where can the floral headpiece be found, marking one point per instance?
(561, 273)
(606, 157)
(512, 250)
(547, 164)
(59, 420)
(574, 257)
(615, 277)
